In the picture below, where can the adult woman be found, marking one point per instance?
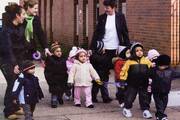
(33, 28)
(12, 53)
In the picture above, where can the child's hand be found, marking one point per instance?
(99, 82)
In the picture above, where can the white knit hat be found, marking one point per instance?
(121, 48)
(81, 50)
(73, 51)
(152, 54)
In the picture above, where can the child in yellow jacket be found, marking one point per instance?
(136, 72)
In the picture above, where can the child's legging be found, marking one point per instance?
(86, 90)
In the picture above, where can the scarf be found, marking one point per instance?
(29, 28)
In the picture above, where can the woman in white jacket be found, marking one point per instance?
(81, 75)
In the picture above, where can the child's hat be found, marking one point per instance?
(99, 46)
(122, 51)
(27, 64)
(81, 50)
(73, 51)
(136, 44)
(152, 54)
(163, 60)
(54, 46)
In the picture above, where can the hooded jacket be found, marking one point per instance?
(82, 74)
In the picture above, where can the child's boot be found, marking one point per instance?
(54, 101)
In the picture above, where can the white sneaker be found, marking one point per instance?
(147, 114)
(67, 98)
(164, 118)
(127, 113)
(121, 105)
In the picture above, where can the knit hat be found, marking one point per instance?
(122, 51)
(73, 51)
(54, 46)
(99, 46)
(152, 54)
(163, 60)
(80, 50)
(27, 64)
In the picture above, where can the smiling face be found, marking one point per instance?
(33, 11)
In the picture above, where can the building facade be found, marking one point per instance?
(155, 23)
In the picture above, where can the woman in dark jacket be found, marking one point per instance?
(33, 29)
(12, 52)
(56, 75)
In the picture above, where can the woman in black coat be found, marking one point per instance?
(33, 29)
(12, 53)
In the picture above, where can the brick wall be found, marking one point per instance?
(149, 21)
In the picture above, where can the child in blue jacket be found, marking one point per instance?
(26, 89)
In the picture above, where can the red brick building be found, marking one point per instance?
(155, 23)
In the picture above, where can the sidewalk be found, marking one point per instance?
(101, 111)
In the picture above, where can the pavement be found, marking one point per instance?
(101, 111)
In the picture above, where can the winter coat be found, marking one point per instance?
(82, 74)
(38, 35)
(31, 89)
(12, 44)
(136, 72)
(118, 64)
(161, 79)
(56, 73)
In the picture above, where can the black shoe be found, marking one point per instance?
(90, 106)
(54, 104)
(78, 105)
(107, 100)
(61, 102)
(95, 100)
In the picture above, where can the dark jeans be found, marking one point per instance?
(103, 89)
(131, 94)
(8, 72)
(161, 100)
(28, 110)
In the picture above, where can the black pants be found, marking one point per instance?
(120, 94)
(131, 93)
(161, 100)
(8, 72)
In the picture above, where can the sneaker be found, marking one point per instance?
(121, 105)
(20, 111)
(90, 106)
(78, 105)
(12, 117)
(127, 113)
(147, 114)
(164, 118)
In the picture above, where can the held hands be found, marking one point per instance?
(16, 69)
(99, 82)
(121, 84)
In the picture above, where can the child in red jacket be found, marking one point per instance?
(124, 54)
